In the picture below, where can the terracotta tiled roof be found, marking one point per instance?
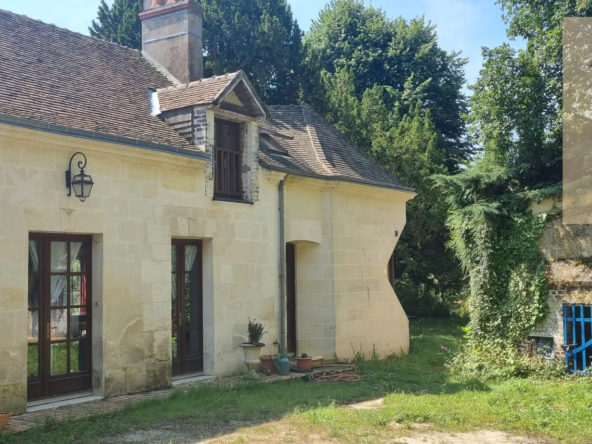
(317, 149)
(60, 77)
(200, 92)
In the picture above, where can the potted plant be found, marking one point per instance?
(252, 348)
(4, 418)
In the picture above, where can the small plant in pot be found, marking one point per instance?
(252, 348)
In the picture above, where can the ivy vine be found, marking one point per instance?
(496, 238)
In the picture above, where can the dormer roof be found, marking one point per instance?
(233, 91)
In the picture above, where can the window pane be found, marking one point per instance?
(174, 343)
(173, 258)
(33, 361)
(77, 323)
(78, 290)
(33, 326)
(33, 256)
(190, 258)
(191, 302)
(59, 324)
(33, 291)
(77, 257)
(191, 286)
(59, 291)
(59, 257)
(192, 344)
(78, 357)
(227, 136)
(59, 359)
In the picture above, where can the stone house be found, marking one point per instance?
(185, 199)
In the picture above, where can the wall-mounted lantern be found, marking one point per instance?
(82, 183)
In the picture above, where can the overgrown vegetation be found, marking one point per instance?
(416, 388)
(516, 117)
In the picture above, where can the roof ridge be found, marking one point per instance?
(230, 76)
(69, 31)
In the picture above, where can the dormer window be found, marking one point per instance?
(228, 159)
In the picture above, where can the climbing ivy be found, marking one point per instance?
(496, 238)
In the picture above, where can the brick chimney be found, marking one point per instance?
(172, 37)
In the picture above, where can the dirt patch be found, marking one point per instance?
(479, 437)
(374, 404)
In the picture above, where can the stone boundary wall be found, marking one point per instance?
(552, 326)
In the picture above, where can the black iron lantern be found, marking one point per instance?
(82, 183)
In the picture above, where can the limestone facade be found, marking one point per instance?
(142, 199)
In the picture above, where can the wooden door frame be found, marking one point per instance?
(291, 287)
(45, 385)
(180, 365)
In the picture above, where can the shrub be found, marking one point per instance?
(255, 331)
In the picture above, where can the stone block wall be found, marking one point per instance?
(344, 239)
(200, 125)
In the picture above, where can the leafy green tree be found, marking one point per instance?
(260, 37)
(403, 55)
(119, 23)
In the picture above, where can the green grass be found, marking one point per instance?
(416, 388)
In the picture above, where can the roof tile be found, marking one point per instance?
(61, 77)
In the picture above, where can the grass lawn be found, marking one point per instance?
(415, 388)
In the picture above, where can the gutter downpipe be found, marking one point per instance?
(284, 364)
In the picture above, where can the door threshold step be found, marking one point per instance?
(194, 378)
(51, 403)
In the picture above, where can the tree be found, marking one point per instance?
(261, 38)
(119, 23)
(403, 55)
(258, 36)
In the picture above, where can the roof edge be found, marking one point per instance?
(339, 179)
(8, 119)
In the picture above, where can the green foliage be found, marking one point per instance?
(255, 332)
(515, 116)
(260, 37)
(486, 361)
(377, 51)
(496, 239)
(119, 23)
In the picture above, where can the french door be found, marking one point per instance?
(186, 306)
(59, 321)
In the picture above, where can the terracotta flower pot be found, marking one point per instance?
(4, 418)
(304, 364)
(267, 365)
(252, 353)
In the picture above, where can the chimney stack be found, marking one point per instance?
(172, 36)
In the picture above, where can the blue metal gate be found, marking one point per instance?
(577, 323)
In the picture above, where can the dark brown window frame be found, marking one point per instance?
(184, 363)
(227, 177)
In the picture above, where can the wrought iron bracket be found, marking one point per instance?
(81, 165)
